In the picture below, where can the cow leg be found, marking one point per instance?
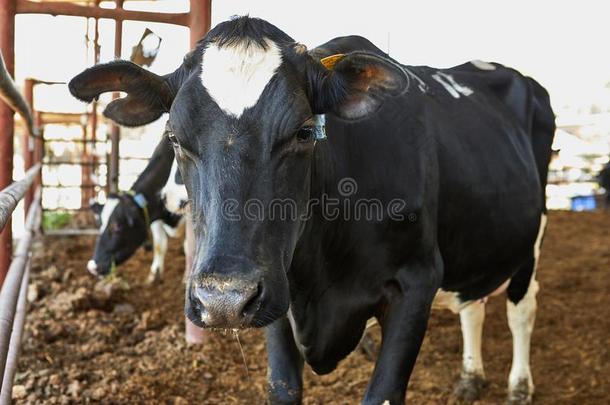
(403, 323)
(472, 378)
(521, 316)
(159, 238)
(285, 364)
(521, 313)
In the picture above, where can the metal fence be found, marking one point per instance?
(14, 289)
(14, 277)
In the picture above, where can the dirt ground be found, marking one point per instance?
(85, 343)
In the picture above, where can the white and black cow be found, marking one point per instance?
(138, 217)
(174, 194)
(454, 162)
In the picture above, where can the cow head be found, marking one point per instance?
(242, 109)
(96, 208)
(123, 230)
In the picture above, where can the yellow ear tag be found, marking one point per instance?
(330, 61)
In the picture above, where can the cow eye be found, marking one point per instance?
(305, 134)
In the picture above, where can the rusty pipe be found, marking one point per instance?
(12, 287)
(14, 99)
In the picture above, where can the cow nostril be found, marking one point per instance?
(254, 302)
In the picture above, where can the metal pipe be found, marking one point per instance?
(11, 290)
(39, 155)
(199, 24)
(14, 349)
(200, 20)
(10, 196)
(70, 162)
(64, 8)
(27, 142)
(85, 170)
(84, 186)
(69, 140)
(93, 115)
(7, 46)
(47, 117)
(115, 132)
(11, 96)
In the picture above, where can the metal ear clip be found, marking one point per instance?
(319, 126)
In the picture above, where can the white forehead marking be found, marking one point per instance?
(236, 75)
(483, 65)
(107, 211)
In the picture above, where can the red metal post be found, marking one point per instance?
(199, 24)
(93, 116)
(7, 46)
(200, 19)
(38, 149)
(67, 8)
(85, 171)
(27, 142)
(115, 132)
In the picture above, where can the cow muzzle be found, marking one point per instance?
(92, 267)
(224, 302)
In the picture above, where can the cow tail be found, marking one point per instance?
(542, 131)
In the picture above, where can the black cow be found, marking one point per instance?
(603, 179)
(430, 179)
(138, 217)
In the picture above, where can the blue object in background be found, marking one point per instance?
(583, 203)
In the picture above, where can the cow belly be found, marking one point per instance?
(451, 300)
(484, 245)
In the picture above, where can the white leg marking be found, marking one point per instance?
(236, 75)
(159, 249)
(471, 320)
(521, 319)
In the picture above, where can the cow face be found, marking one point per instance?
(96, 208)
(123, 229)
(241, 117)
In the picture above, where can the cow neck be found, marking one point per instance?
(316, 231)
(154, 177)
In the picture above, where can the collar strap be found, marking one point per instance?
(138, 198)
(319, 126)
(141, 202)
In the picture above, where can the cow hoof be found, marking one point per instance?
(521, 393)
(469, 388)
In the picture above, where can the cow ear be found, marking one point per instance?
(148, 95)
(355, 85)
